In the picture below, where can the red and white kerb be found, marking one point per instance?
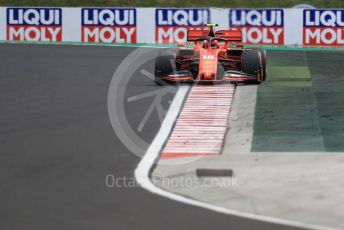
(202, 123)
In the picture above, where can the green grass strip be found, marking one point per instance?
(285, 48)
(294, 72)
(93, 44)
(285, 84)
(297, 48)
(175, 3)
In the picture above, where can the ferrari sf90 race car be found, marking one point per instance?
(216, 56)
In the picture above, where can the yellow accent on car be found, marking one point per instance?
(211, 24)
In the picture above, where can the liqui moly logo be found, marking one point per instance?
(259, 26)
(34, 24)
(112, 25)
(323, 27)
(171, 25)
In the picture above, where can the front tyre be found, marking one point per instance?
(251, 63)
(264, 60)
(165, 64)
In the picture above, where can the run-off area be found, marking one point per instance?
(301, 108)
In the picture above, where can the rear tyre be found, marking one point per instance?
(186, 53)
(251, 63)
(165, 64)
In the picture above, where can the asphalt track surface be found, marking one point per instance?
(57, 146)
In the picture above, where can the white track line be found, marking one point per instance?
(142, 172)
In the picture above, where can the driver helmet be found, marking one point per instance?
(214, 44)
(205, 44)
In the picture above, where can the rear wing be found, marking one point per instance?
(195, 34)
(229, 35)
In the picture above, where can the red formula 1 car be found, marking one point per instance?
(216, 56)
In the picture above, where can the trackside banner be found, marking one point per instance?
(295, 27)
(113, 25)
(259, 26)
(323, 27)
(171, 25)
(34, 24)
